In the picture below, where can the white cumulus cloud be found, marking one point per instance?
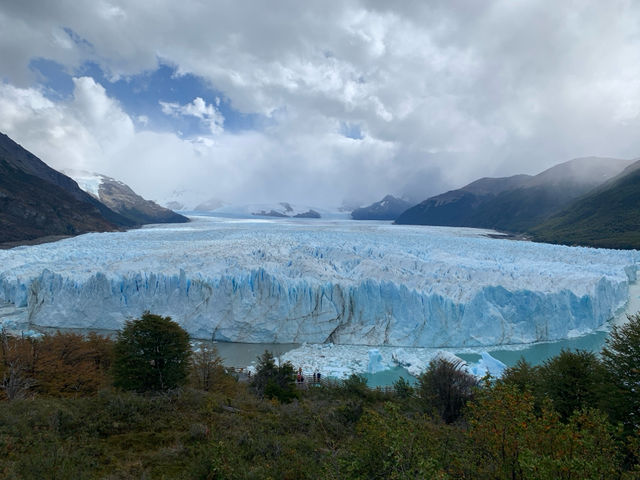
(198, 108)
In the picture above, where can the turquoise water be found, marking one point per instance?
(539, 352)
(241, 355)
(535, 354)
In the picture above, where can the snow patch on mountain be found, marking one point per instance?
(88, 182)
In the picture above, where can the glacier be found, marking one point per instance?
(321, 281)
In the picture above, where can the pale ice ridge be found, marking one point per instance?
(320, 281)
(341, 361)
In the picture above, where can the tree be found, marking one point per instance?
(17, 357)
(621, 357)
(574, 380)
(522, 375)
(151, 354)
(273, 381)
(70, 365)
(206, 366)
(509, 440)
(445, 388)
(402, 388)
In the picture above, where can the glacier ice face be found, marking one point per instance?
(294, 281)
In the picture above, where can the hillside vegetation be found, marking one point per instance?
(575, 416)
(608, 217)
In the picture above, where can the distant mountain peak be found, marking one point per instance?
(389, 208)
(121, 198)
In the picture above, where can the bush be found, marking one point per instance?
(445, 388)
(151, 354)
(355, 386)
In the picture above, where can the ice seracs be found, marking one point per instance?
(350, 283)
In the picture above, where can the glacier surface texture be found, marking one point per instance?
(316, 281)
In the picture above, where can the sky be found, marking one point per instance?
(318, 103)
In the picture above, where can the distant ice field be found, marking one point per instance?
(317, 281)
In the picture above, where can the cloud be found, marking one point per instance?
(90, 131)
(208, 113)
(441, 92)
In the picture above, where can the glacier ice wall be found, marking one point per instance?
(304, 281)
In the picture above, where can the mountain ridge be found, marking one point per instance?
(386, 209)
(121, 198)
(516, 203)
(37, 201)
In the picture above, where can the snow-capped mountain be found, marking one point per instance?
(120, 198)
(389, 208)
(37, 201)
(191, 201)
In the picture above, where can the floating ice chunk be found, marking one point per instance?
(416, 360)
(487, 365)
(376, 363)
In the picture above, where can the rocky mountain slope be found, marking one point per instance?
(37, 201)
(515, 203)
(123, 200)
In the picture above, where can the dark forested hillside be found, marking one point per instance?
(515, 203)
(607, 217)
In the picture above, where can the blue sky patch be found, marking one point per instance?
(140, 96)
(351, 130)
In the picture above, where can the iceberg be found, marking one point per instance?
(487, 365)
(326, 281)
(376, 363)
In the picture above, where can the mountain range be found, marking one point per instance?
(587, 201)
(517, 203)
(38, 202)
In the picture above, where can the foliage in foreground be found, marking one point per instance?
(520, 427)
